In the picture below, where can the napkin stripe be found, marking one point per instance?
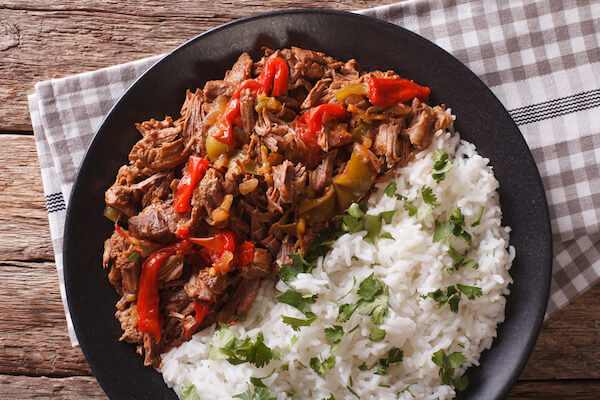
(55, 202)
(556, 108)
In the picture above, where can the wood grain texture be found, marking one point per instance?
(556, 390)
(33, 331)
(47, 39)
(25, 234)
(73, 388)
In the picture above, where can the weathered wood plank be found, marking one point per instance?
(41, 40)
(556, 390)
(25, 234)
(33, 331)
(569, 344)
(73, 388)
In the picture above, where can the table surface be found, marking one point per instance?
(41, 39)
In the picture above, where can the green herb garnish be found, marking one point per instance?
(447, 364)
(441, 165)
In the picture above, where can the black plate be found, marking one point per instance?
(482, 120)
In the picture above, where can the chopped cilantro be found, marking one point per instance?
(406, 389)
(451, 295)
(394, 355)
(385, 386)
(447, 364)
(133, 256)
(471, 292)
(442, 231)
(428, 196)
(293, 341)
(441, 165)
(257, 318)
(351, 289)
(429, 202)
(353, 329)
(225, 346)
(285, 367)
(296, 323)
(301, 301)
(353, 392)
(322, 366)
(329, 398)
(189, 391)
(346, 311)
(377, 334)
(356, 220)
(370, 287)
(376, 308)
(299, 265)
(363, 367)
(390, 191)
(260, 392)
(334, 335)
(478, 219)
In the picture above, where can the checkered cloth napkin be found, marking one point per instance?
(540, 57)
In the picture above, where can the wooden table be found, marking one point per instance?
(41, 39)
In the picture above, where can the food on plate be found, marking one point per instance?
(307, 229)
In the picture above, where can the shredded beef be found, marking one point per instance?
(269, 182)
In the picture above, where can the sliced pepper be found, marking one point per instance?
(197, 167)
(309, 124)
(245, 253)
(147, 303)
(360, 89)
(321, 208)
(386, 92)
(356, 179)
(275, 73)
(221, 249)
(202, 308)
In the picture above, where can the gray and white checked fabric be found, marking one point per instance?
(540, 57)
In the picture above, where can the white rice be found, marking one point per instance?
(411, 265)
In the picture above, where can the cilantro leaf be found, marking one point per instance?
(447, 365)
(470, 263)
(412, 210)
(345, 311)
(363, 367)
(299, 265)
(451, 295)
(376, 308)
(320, 367)
(189, 391)
(443, 230)
(296, 323)
(441, 165)
(471, 292)
(355, 211)
(387, 216)
(377, 334)
(300, 301)
(334, 334)
(372, 224)
(260, 393)
(386, 235)
(394, 355)
(370, 287)
(478, 219)
(428, 196)
(329, 398)
(225, 346)
(390, 189)
(133, 256)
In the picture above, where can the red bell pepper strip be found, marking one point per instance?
(147, 303)
(202, 309)
(275, 74)
(386, 92)
(121, 231)
(221, 248)
(309, 124)
(245, 253)
(197, 167)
